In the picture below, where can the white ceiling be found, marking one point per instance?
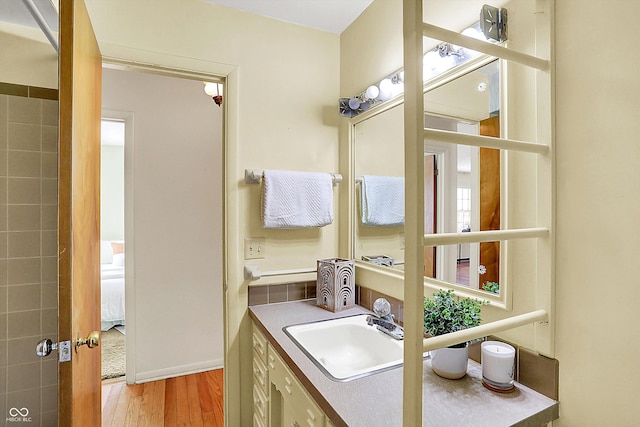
(15, 12)
(328, 15)
(336, 15)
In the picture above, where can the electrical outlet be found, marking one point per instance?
(254, 248)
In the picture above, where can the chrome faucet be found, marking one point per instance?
(383, 319)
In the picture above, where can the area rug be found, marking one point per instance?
(113, 360)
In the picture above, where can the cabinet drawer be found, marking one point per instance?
(306, 411)
(260, 405)
(260, 374)
(259, 344)
(309, 413)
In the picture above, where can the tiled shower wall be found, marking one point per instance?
(28, 249)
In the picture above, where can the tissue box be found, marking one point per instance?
(336, 289)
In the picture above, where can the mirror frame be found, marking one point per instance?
(394, 277)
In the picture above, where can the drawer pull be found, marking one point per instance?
(312, 415)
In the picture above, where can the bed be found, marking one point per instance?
(112, 284)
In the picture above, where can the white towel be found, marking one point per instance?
(296, 199)
(382, 200)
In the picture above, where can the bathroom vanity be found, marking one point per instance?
(278, 397)
(288, 388)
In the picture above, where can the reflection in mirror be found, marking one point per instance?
(379, 153)
(462, 183)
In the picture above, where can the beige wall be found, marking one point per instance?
(174, 296)
(597, 157)
(28, 47)
(597, 182)
(282, 114)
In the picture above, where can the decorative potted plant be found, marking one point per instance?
(445, 313)
(493, 287)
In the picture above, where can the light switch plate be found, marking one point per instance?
(254, 248)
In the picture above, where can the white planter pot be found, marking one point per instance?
(450, 362)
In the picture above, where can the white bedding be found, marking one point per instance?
(112, 295)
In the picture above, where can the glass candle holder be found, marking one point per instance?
(498, 363)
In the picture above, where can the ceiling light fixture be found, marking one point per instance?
(214, 90)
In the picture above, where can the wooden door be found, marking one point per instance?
(80, 80)
(490, 201)
(430, 175)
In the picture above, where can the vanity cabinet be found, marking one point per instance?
(260, 380)
(278, 397)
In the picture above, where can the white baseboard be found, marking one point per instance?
(177, 371)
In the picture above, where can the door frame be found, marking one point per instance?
(233, 308)
(447, 166)
(129, 267)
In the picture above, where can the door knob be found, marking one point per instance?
(45, 347)
(92, 340)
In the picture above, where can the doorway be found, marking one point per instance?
(173, 181)
(112, 247)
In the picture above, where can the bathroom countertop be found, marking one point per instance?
(376, 400)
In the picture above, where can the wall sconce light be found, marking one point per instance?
(214, 90)
(491, 28)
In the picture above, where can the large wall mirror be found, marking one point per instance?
(462, 183)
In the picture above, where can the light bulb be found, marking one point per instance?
(354, 103)
(372, 92)
(474, 34)
(385, 89)
(397, 89)
(431, 60)
(211, 89)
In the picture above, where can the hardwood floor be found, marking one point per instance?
(462, 273)
(191, 400)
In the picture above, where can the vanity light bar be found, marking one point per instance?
(484, 236)
(484, 141)
(439, 33)
(453, 338)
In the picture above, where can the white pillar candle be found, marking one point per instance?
(498, 363)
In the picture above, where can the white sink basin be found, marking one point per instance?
(347, 348)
